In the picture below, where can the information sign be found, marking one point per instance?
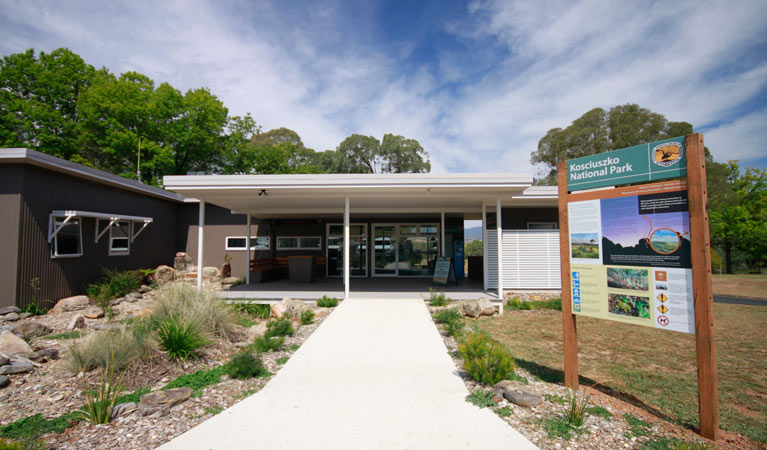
(442, 272)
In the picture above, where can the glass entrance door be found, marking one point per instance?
(358, 250)
(385, 250)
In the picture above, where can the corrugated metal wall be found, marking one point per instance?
(530, 259)
(10, 201)
(44, 191)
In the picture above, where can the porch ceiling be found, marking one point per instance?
(321, 195)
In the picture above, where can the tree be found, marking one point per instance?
(474, 248)
(599, 131)
(238, 155)
(365, 154)
(362, 154)
(403, 155)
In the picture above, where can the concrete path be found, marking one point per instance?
(374, 375)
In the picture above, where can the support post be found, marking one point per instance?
(700, 252)
(499, 242)
(569, 331)
(346, 249)
(247, 252)
(484, 244)
(442, 233)
(200, 243)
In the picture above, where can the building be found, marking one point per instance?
(64, 223)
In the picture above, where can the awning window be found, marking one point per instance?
(60, 218)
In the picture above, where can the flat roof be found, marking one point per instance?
(45, 161)
(316, 195)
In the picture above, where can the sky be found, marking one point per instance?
(477, 83)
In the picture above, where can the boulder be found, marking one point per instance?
(25, 315)
(4, 360)
(230, 280)
(158, 403)
(124, 409)
(11, 345)
(93, 313)
(472, 309)
(29, 330)
(9, 309)
(164, 274)
(16, 368)
(4, 381)
(182, 262)
(210, 272)
(487, 308)
(75, 303)
(288, 307)
(12, 317)
(255, 331)
(43, 355)
(78, 321)
(516, 393)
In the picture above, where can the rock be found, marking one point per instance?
(210, 272)
(4, 381)
(471, 308)
(487, 308)
(78, 321)
(133, 297)
(169, 398)
(521, 398)
(29, 330)
(231, 280)
(124, 409)
(16, 368)
(4, 361)
(12, 317)
(9, 309)
(182, 262)
(43, 355)
(75, 303)
(11, 345)
(25, 315)
(255, 331)
(164, 274)
(93, 313)
(288, 307)
(144, 289)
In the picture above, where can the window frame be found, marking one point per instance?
(298, 243)
(54, 243)
(253, 245)
(555, 226)
(112, 238)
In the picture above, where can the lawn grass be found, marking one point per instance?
(658, 367)
(740, 285)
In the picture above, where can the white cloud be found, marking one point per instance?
(743, 139)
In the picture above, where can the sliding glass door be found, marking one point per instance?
(405, 249)
(358, 251)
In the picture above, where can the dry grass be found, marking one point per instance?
(741, 285)
(215, 316)
(121, 346)
(658, 367)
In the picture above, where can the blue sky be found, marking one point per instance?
(477, 83)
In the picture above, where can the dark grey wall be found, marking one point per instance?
(10, 204)
(43, 191)
(517, 218)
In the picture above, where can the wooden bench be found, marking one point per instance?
(265, 269)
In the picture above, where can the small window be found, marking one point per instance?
(68, 241)
(299, 243)
(541, 225)
(256, 242)
(119, 238)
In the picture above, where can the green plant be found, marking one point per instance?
(212, 314)
(179, 337)
(213, 410)
(672, 444)
(294, 347)
(437, 298)
(515, 303)
(574, 409)
(114, 284)
(6, 445)
(31, 426)
(554, 398)
(484, 359)
(245, 364)
(134, 396)
(279, 327)
(198, 380)
(599, 411)
(327, 302)
(74, 334)
(34, 309)
(558, 427)
(253, 309)
(503, 411)
(481, 398)
(282, 360)
(127, 343)
(245, 393)
(99, 404)
(638, 427)
(307, 317)
(446, 315)
(265, 344)
(30, 440)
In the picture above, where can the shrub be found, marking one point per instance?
(212, 314)
(307, 317)
(265, 344)
(574, 409)
(599, 411)
(447, 315)
(245, 364)
(99, 405)
(481, 398)
(114, 284)
(437, 298)
(180, 337)
(198, 380)
(253, 309)
(31, 427)
(34, 309)
(503, 411)
(279, 327)
(125, 344)
(515, 303)
(327, 302)
(484, 359)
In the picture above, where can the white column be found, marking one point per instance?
(346, 249)
(484, 244)
(442, 231)
(499, 240)
(200, 243)
(247, 253)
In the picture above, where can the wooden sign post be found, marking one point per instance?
(629, 286)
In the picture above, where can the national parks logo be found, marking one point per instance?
(668, 154)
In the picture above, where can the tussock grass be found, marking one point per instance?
(185, 302)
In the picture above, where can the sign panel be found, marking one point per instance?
(442, 271)
(459, 259)
(646, 162)
(630, 255)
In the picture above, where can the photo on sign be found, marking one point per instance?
(661, 287)
(636, 279)
(585, 245)
(629, 305)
